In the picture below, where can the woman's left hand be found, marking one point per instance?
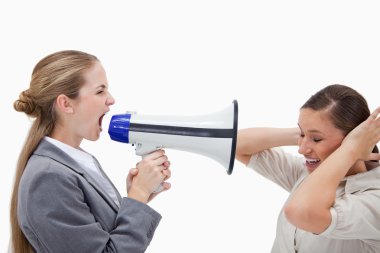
(364, 137)
(165, 185)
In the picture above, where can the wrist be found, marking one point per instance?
(351, 152)
(293, 135)
(138, 194)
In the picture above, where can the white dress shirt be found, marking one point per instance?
(355, 214)
(89, 165)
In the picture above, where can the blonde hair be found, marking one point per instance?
(57, 73)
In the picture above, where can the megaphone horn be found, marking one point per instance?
(212, 135)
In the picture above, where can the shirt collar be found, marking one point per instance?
(363, 181)
(77, 154)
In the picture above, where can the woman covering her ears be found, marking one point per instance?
(334, 201)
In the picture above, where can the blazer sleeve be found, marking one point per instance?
(61, 221)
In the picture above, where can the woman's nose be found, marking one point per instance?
(303, 147)
(110, 100)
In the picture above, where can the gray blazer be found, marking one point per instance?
(62, 209)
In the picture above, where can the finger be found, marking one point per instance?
(161, 168)
(159, 161)
(374, 157)
(375, 114)
(132, 172)
(166, 164)
(166, 185)
(155, 154)
(167, 173)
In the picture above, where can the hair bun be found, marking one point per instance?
(26, 104)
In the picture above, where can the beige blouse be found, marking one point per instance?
(355, 225)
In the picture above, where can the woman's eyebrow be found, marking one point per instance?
(311, 131)
(102, 86)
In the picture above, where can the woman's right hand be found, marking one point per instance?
(148, 175)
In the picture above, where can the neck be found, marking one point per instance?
(61, 134)
(358, 167)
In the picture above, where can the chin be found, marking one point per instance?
(96, 138)
(311, 168)
(95, 135)
(93, 138)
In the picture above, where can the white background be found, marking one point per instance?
(190, 58)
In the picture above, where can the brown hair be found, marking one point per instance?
(346, 107)
(57, 73)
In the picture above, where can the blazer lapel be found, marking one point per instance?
(47, 149)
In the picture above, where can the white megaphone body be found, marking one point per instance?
(212, 135)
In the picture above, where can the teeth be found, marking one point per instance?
(308, 160)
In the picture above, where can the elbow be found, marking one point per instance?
(307, 218)
(295, 214)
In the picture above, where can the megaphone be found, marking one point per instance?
(212, 135)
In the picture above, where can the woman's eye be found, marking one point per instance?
(99, 92)
(316, 139)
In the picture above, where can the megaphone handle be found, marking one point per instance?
(160, 188)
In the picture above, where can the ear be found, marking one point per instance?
(64, 104)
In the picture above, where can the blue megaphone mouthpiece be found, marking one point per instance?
(119, 127)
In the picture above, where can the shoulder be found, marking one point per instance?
(366, 182)
(48, 160)
(43, 173)
(43, 165)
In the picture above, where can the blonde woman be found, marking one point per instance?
(62, 200)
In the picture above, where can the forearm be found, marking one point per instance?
(309, 206)
(254, 140)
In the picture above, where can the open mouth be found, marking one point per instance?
(312, 161)
(312, 164)
(100, 122)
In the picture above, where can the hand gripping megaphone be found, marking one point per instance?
(212, 135)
